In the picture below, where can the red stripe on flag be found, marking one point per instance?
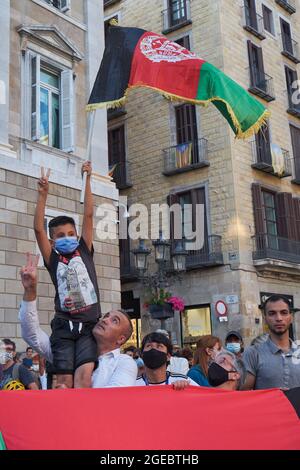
(148, 418)
(161, 64)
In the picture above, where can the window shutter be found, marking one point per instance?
(64, 5)
(296, 203)
(172, 199)
(261, 68)
(295, 134)
(258, 209)
(252, 12)
(285, 216)
(67, 113)
(198, 197)
(251, 63)
(35, 96)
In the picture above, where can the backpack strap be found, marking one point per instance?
(15, 372)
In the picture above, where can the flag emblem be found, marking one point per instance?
(159, 49)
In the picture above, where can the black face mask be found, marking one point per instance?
(217, 375)
(154, 359)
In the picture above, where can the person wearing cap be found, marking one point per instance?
(156, 353)
(234, 343)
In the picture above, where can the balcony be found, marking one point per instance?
(290, 49)
(253, 23)
(278, 164)
(176, 16)
(288, 5)
(261, 85)
(210, 255)
(293, 103)
(121, 175)
(185, 157)
(272, 247)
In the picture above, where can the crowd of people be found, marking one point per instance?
(86, 349)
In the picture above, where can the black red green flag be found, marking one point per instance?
(134, 58)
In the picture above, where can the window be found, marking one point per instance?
(270, 222)
(261, 84)
(62, 5)
(184, 42)
(250, 13)
(257, 73)
(51, 104)
(295, 136)
(186, 130)
(276, 217)
(263, 149)
(287, 43)
(195, 322)
(177, 12)
(292, 90)
(117, 157)
(268, 19)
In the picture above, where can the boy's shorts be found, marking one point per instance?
(72, 345)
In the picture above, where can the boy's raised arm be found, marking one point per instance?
(87, 224)
(39, 216)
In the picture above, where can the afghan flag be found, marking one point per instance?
(134, 58)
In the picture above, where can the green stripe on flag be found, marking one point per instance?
(243, 112)
(2, 443)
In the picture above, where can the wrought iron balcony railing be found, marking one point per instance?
(210, 255)
(178, 14)
(288, 5)
(253, 22)
(278, 164)
(276, 248)
(290, 48)
(261, 85)
(185, 157)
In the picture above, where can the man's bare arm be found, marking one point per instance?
(39, 216)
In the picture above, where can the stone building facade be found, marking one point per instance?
(252, 246)
(50, 52)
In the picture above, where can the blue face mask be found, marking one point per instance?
(233, 347)
(66, 245)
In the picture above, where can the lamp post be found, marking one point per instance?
(159, 279)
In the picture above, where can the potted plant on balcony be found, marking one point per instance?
(162, 304)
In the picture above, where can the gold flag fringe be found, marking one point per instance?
(175, 98)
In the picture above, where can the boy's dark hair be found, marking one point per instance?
(157, 338)
(9, 342)
(276, 298)
(130, 348)
(60, 220)
(29, 347)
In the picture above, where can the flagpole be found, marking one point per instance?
(88, 151)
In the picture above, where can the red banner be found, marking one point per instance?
(148, 418)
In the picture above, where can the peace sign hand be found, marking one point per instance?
(43, 182)
(29, 272)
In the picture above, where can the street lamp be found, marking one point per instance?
(159, 279)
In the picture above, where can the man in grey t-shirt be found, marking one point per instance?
(276, 362)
